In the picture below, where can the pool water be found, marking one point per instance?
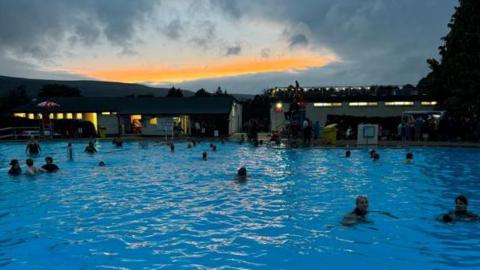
(152, 209)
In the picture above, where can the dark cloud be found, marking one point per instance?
(207, 34)
(298, 40)
(233, 50)
(174, 29)
(34, 28)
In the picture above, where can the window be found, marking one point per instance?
(78, 115)
(69, 115)
(31, 116)
(327, 104)
(105, 113)
(51, 116)
(399, 103)
(23, 115)
(153, 121)
(362, 104)
(428, 103)
(59, 115)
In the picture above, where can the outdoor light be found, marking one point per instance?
(279, 107)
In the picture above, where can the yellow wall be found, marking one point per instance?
(91, 117)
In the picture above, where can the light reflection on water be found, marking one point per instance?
(149, 208)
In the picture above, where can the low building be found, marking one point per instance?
(204, 116)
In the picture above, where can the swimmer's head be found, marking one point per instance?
(242, 172)
(49, 160)
(461, 203)
(409, 156)
(101, 164)
(14, 163)
(204, 156)
(362, 203)
(348, 153)
(375, 156)
(29, 162)
(69, 144)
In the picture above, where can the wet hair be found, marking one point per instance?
(462, 199)
(348, 153)
(172, 147)
(69, 144)
(47, 159)
(375, 156)
(204, 155)
(372, 152)
(101, 164)
(360, 197)
(13, 162)
(409, 156)
(29, 162)
(242, 172)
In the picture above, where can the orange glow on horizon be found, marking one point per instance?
(231, 68)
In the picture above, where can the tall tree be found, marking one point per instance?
(58, 90)
(455, 80)
(174, 92)
(202, 93)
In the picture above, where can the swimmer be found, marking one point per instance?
(31, 169)
(172, 147)
(101, 164)
(49, 166)
(90, 148)
(348, 154)
(213, 147)
(33, 147)
(359, 214)
(70, 151)
(189, 145)
(15, 168)
(241, 175)
(409, 158)
(460, 213)
(375, 156)
(117, 141)
(372, 152)
(204, 156)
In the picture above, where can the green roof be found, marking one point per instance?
(136, 105)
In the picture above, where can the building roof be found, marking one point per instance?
(136, 105)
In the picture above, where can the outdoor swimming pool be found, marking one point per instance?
(152, 209)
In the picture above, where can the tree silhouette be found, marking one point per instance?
(202, 93)
(174, 92)
(454, 81)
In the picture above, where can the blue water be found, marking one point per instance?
(151, 209)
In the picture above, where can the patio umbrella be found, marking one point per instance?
(46, 105)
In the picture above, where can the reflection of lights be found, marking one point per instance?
(399, 103)
(279, 107)
(327, 104)
(362, 104)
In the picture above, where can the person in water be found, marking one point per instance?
(70, 151)
(101, 164)
(117, 141)
(359, 214)
(204, 156)
(14, 168)
(172, 147)
(49, 166)
(409, 158)
(31, 169)
(90, 148)
(348, 154)
(242, 174)
(372, 152)
(461, 212)
(33, 147)
(375, 156)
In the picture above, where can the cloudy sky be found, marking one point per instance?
(244, 46)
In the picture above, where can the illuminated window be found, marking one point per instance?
(39, 116)
(153, 121)
(429, 103)
(69, 115)
(78, 115)
(362, 104)
(31, 116)
(105, 113)
(59, 115)
(327, 104)
(135, 117)
(399, 103)
(51, 116)
(23, 115)
(114, 113)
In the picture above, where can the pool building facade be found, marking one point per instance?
(151, 116)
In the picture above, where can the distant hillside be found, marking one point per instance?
(87, 88)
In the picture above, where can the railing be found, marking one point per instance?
(18, 132)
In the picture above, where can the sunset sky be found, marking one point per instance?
(243, 46)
